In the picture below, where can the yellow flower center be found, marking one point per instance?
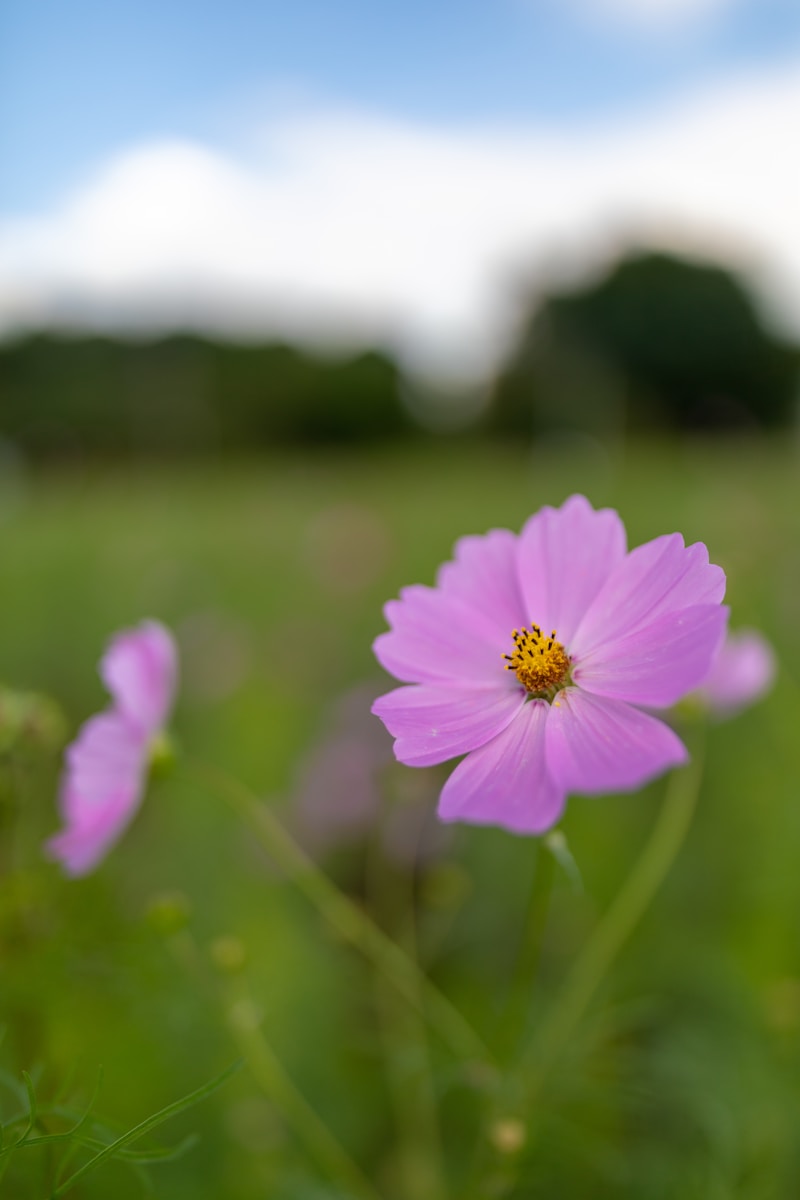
(540, 663)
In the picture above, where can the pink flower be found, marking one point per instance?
(742, 672)
(537, 713)
(342, 785)
(106, 765)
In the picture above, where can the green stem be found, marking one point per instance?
(518, 1007)
(164, 1114)
(497, 1174)
(517, 1011)
(243, 1020)
(617, 925)
(405, 1046)
(270, 1075)
(349, 921)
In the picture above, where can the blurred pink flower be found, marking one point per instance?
(742, 672)
(539, 714)
(106, 765)
(341, 787)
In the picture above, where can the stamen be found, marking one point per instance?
(541, 674)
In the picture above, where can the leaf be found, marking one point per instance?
(164, 1114)
(556, 843)
(32, 1106)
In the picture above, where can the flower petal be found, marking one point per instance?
(437, 638)
(661, 662)
(599, 745)
(506, 782)
(140, 669)
(432, 724)
(742, 672)
(101, 790)
(660, 577)
(484, 575)
(564, 557)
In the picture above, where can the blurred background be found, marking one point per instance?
(291, 297)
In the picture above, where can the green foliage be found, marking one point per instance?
(658, 341)
(29, 724)
(188, 395)
(681, 1080)
(81, 1135)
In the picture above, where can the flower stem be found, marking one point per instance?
(409, 1075)
(349, 921)
(243, 1019)
(518, 1006)
(616, 926)
(498, 1171)
(268, 1072)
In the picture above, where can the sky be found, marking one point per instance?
(392, 172)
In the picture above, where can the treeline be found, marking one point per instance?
(658, 343)
(190, 395)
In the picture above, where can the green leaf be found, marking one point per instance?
(164, 1114)
(556, 843)
(32, 1106)
(160, 1154)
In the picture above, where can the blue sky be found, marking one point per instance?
(390, 173)
(80, 79)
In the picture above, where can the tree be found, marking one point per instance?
(659, 341)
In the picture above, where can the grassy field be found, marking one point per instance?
(682, 1080)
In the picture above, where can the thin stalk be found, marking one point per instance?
(349, 921)
(164, 1114)
(404, 1037)
(497, 1173)
(517, 1009)
(270, 1075)
(242, 1018)
(617, 925)
(530, 949)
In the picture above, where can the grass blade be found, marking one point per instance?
(164, 1114)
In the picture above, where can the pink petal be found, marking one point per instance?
(140, 669)
(564, 557)
(660, 577)
(743, 671)
(661, 662)
(599, 745)
(506, 782)
(484, 576)
(437, 638)
(101, 790)
(432, 724)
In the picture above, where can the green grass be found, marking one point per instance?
(683, 1080)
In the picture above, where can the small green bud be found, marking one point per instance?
(228, 954)
(30, 723)
(169, 913)
(693, 707)
(508, 1135)
(163, 756)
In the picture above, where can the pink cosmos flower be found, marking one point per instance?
(742, 672)
(106, 765)
(534, 656)
(342, 786)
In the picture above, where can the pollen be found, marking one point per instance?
(540, 663)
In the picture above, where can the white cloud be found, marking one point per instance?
(354, 226)
(656, 16)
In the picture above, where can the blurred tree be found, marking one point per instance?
(185, 395)
(658, 342)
